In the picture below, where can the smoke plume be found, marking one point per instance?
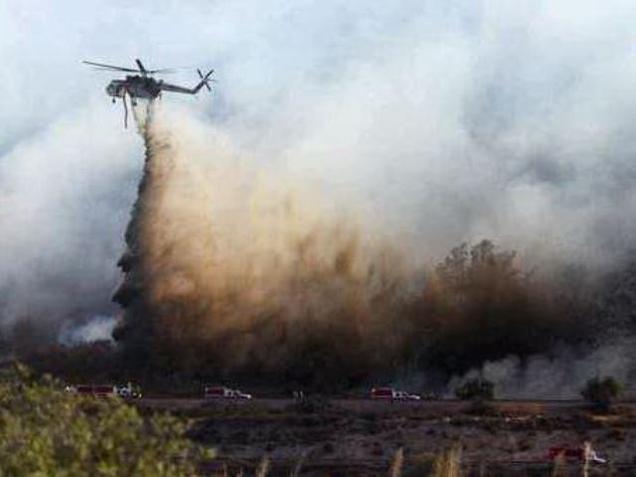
(559, 374)
(435, 122)
(237, 268)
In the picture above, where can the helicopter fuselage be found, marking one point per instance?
(144, 86)
(134, 86)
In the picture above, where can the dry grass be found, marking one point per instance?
(397, 463)
(263, 467)
(559, 469)
(298, 466)
(447, 464)
(522, 409)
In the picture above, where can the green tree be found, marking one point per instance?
(477, 389)
(45, 431)
(479, 306)
(601, 393)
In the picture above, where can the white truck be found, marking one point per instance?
(222, 392)
(128, 391)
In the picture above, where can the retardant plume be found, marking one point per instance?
(231, 268)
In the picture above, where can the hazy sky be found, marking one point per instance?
(449, 120)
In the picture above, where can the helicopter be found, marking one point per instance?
(143, 85)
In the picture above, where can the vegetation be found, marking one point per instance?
(476, 305)
(601, 393)
(447, 464)
(477, 389)
(45, 431)
(480, 306)
(311, 405)
(398, 462)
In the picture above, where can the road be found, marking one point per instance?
(374, 405)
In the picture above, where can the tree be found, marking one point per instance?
(601, 393)
(477, 389)
(480, 306)
(46, 431)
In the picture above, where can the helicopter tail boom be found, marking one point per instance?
(205, 81)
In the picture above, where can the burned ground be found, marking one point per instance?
(361, 437)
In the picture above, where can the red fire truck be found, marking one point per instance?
(575, 454)
(382, 393)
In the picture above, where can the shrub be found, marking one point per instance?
(479, 305)
(311, 405)
(602, 392)
(477, 389)
(46, 431)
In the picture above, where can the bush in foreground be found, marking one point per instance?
(601, 393)
(46, 431)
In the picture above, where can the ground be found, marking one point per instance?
(362, 437)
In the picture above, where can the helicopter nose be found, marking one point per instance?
(111, 90)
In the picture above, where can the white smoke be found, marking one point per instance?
(448, 120)
(98, 328)
(559, 376)
(62, 219)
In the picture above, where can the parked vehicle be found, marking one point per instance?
(222, 392)
(393, 394)
(99, 390)
(575, 454)
(383, 393)
(403, 395)
(129, 391)
(216, 392)
(240, 394)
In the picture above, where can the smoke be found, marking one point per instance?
(560, 374)
(437, 122)
(98, 328)
(61, 221)
(234, 269)
(240, 267)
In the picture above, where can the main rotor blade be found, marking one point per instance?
(110, 67)
(141, 67)
(163, 70)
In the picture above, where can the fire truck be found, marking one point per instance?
(392, 394)
(583, 453)
(127, 391)
(97, 390)
(222, 392)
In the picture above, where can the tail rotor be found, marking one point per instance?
(205, 79)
